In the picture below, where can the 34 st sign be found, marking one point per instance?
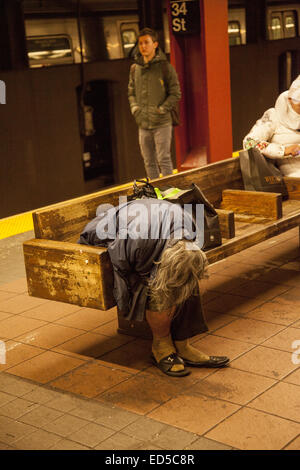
(185, 16)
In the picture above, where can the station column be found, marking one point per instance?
(200, 53)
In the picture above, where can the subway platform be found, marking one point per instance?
(70, 381)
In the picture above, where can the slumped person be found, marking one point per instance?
(157, 262)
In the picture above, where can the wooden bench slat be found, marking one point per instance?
(256, 234)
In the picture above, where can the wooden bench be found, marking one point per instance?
(58, 268)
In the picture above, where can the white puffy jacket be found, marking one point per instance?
(278, 128)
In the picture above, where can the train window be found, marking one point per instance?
(289, 24)
(276, 27)
(234, 32)
(236, 26)
(129, 38)
(283, 24)
(49, 50)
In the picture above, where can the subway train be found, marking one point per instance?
(54, 39)
(59, 35)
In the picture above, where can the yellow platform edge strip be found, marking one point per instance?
(22, 223)
(16, 224)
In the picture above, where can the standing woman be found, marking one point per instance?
(277, 133)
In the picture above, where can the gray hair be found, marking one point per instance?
(179, 270)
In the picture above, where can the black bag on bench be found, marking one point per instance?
(193, 195)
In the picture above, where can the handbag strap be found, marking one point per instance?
(146, 190)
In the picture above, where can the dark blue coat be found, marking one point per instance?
(135, 241)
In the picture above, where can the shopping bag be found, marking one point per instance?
(260, 174)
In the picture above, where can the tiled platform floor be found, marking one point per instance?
(72, 382)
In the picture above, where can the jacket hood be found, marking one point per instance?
(160, 56)
(286, 115)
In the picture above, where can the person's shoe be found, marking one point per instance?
(166, 364)
(213, 361)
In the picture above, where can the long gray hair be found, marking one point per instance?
(179, 270)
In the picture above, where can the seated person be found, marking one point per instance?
(277, 133)
(157, 266)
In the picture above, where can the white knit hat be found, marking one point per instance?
(294, 91)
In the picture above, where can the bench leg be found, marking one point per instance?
(134, 328)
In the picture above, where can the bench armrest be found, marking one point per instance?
(257, 203)
(226, 221)
(293, 187)
(69, 272)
